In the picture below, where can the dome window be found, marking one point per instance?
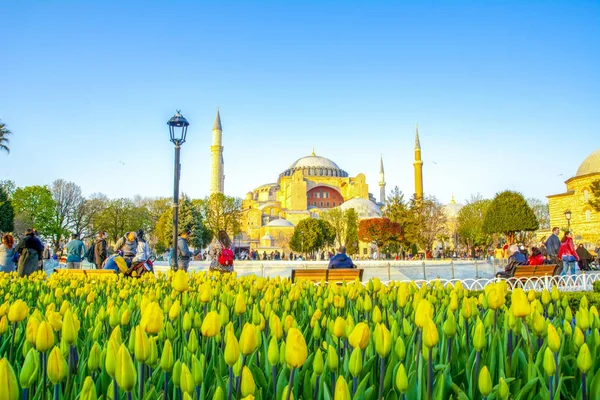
(588, 215)
(586, 195)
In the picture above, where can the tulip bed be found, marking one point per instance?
(205, 336)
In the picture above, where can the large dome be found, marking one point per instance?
(590, 165)
(314, 165)
(363, 207)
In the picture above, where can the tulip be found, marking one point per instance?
(198, 366)
(177, 373)
(192, 342)
(175, 310)
(166, 359)
(296, 351)
(219, 395)
(211, 325)
(318, 362)
(152, 319)
(232, 350)
(273, 352)
(45, 337)
(57, 366)
(359, 337)
(341, 389)
(430, 334)
(181, 281)
(125, 373)
(8, 381)
(240, 304)
(152, 360)
(520, 303)
(3, 325)
(276, 327)
(584, 363)
(503, 389)
(29, 371)
(93, 362)
(339, 327)
(383, 341)
(18, 311)
(485, 382)
(88, 391)
(332, 359)
(186, 380)
(355, 364)
(401, 380)
(479, 339)
(247, 382)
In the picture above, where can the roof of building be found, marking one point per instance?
(281, 223)
(314, 165)
(590, 165)
(267, 237)
(451, 209)
(217, 125)
(363, 207)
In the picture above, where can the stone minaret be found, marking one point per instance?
(217, 178)
(418, 164)
(381, 182)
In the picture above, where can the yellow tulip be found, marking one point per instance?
(339, 327)
(296, 351)
(152, 318)
(8, 381)
(175, 310)
(520, 304)
(44, 339)
(479, 339)
(88, 391)
(383, 341)
(553, 339)
(248, 339)
(55, 319)
(240, 304)
(276, 327)
(18, 311)
(273, 352)
(424, 311)
(125, 372)
(181, 281)
(376, 316)
(248, 386)
(485, 382)
(503, 389)
(430, 334)
(186, 380)
(29, 371)
(584, 359)
(401, 379)
(219, 394)
(548, 363)
(211, 325)
(3, 325)
(57, 368)
(359, 337)
(355, 363)
(31, 329)
(318, 363)
(232, 350)
(69, 330)
(93, 362)
(166, 358)
(400, 348)
(284, 394)
(341, 389)
(205, 293)
(142, 345)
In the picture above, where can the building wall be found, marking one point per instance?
(585, 221)
(324, 197)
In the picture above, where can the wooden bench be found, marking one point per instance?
(523, 272)
(96, 273)
(327, 275)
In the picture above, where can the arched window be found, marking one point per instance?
(586, 195)
(588, 215)
(333, 204)
(327, 204)
(321, 204)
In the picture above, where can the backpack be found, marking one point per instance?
(90, 254)
(226, 257)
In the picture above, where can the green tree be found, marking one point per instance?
(351, 241)
(335, 216)
(312, 235)
(595, 200)
(8, 186)
(222, 212)
(190, 217)
(85, 215)
(6, 212)
(508, 214)
(470, 223)
(541, 210)
(4, 133)
(67, 200)
(34, 208)
(117, 218)
(397, 210)
(426, 223)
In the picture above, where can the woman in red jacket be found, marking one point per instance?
(567, 253)
(536, 258)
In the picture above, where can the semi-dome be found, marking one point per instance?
(314, 165)
(590, 165)
(363, 207)
(284, 223)
(452, 209)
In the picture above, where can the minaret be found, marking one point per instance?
(381, 181)
(217, 179)
(418, 164)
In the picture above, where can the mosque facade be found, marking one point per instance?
(585, 221)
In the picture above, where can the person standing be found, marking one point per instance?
(221, 253)
(7, 253)
(498, 256)
(100, 249)
(30, 251)
(143, 251)
(553, 246)
(184, 254)
(567, 253)
(75, 252)
(127, 245)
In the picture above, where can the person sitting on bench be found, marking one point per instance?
(341, 260)
(515, 259)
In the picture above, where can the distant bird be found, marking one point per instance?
(121, 162)
(434, 162)
(559, 175)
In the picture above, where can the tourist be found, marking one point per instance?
(585, 258)
(221, 253)
(7, 253)
(142, 253)
(341, 260)
(515, 259)
(127, 247)
(498, 256)
(100, 249)
(75, 252)
(567, 253)
(30, 251)
(553, 246)
(536, 258)
(184, 254)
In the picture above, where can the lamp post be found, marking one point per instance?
(568, 217)
(178, 130)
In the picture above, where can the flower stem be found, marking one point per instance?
(556, 377)
(584, 387)
(166, 386)
(381, 376)
(12, 346)
(274, 375)
(290, 385)
(316, 391)
(44, 374)
(354, 383)
(430, 375)
(467, 334)
(56, 392)
(141, 370)
(230, 388)
(550, 385)
(115, 389)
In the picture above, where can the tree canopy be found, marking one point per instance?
(4, 133)
(427, 221)
(6, 212)
(351, 239)
(222, 212)
(379, 231)
(509, 213)
(312, 235)
(34, 208)
(190, 217)
(470, 223)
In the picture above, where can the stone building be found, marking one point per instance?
(585, 221)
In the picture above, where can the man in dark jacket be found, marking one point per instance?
(553, 246)
(341, 260)
(100, 250)
(30, 251)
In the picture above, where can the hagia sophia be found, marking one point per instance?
(314, 184)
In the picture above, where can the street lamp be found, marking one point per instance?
(568, 217)
(178, 130)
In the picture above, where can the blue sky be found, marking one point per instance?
(506, 94)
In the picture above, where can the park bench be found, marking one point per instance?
(96, 273)
(327, 275)
(524, 272)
